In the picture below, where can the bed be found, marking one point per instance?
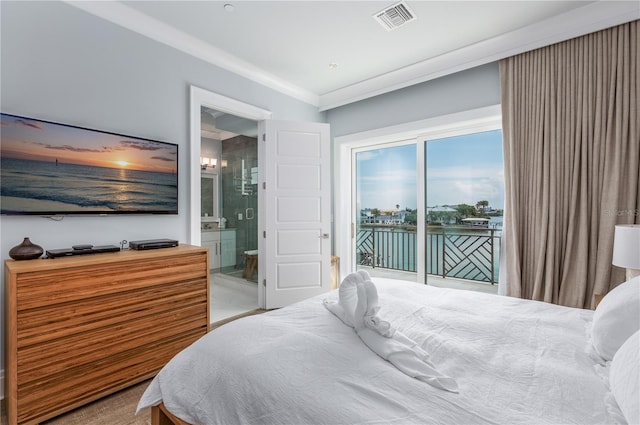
(514, 362)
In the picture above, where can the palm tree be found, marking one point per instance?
(481, 205)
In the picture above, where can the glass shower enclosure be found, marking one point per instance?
(239, 207)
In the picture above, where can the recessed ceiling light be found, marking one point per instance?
(229, 7)
(333, 65)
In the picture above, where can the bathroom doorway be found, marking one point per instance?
(229, 224)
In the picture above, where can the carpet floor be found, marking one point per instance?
(118, 408)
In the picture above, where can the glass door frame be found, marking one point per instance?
(475, 120)
(420, 195)
(462, 246)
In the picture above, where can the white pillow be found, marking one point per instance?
(624, 378)
(616, 318)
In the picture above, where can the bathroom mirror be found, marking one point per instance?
(209, 209)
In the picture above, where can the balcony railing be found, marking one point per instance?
(451, 251)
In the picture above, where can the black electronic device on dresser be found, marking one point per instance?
(81, 250)
(152, 244)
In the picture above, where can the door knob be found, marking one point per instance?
(325, 236)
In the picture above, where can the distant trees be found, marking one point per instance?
(481, 206)
(445, 214)
(412, 217)
(465, 210)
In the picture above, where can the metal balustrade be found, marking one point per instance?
(461, 252)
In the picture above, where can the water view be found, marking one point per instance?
(468, 248)
(464, 191)
(29, 185)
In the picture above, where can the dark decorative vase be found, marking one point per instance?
(26, 251)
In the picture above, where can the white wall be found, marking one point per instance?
(61, 64)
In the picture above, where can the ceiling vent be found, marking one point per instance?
(395, 16)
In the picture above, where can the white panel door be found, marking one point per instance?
(295, 259)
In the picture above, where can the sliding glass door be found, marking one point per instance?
(431, 206)
(386, 208)
(464, 202)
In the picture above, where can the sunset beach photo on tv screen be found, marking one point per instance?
(49, 168)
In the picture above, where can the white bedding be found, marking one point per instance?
(515, 361)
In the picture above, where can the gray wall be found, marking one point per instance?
(61, 64)
(462, 91)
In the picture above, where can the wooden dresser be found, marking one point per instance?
(79, 328)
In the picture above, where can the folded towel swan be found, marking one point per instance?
(357, 307)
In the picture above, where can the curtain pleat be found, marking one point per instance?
(572, 164)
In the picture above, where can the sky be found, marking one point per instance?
(25, 138)
(462, 169)
(387, 177)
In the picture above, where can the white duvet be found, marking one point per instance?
(515, 362)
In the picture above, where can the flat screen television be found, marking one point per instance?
(48, 169)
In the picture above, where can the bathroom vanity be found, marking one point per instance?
(222, 246)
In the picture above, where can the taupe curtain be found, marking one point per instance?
(571, 119)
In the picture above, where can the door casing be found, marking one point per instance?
(198, 98)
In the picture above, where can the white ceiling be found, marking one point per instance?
(288, 45)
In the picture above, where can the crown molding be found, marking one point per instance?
(592, 17)
(131, 19)
(584, 20)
